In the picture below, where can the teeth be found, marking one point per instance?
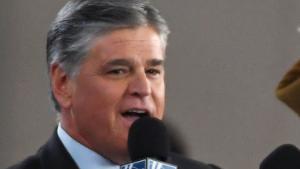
(135, 112)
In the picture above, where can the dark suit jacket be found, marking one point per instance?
(53, 155)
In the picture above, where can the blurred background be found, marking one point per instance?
(224, 60)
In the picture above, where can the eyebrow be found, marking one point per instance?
(125, 62)
(119, 62)
(155, 62)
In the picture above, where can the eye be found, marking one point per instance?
(153, 71)
(118, 71)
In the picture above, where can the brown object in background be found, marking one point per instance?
(288, 89)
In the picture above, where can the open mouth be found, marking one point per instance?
(136, 113)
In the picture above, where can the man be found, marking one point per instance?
(106, 66)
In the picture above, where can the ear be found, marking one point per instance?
(61, 86)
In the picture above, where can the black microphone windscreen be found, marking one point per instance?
(285, 156)
(148, 138)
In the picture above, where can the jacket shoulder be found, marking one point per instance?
(51, 155)
(32, 162)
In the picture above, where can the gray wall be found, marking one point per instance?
(224, 60)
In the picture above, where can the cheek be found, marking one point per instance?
(159, 97)
(95, 100)
(95, 105)
(162, 106)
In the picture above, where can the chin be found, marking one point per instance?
(122, 157)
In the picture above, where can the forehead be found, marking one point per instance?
(138, 41)
(138, 34)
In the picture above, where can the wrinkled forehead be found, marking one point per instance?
(137, 44)
(140, 34)
(143, 39)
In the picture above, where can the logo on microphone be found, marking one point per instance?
(148, 163)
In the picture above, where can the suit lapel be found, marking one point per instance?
(55, 156)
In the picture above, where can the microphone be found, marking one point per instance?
(148, 145)
(286, 156)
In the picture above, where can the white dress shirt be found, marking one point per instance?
(84, 157)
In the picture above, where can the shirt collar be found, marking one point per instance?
(84, 157)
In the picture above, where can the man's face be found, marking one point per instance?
(121, 79)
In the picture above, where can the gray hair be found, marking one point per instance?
(79, 22)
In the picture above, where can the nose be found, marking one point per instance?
(140, 86)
